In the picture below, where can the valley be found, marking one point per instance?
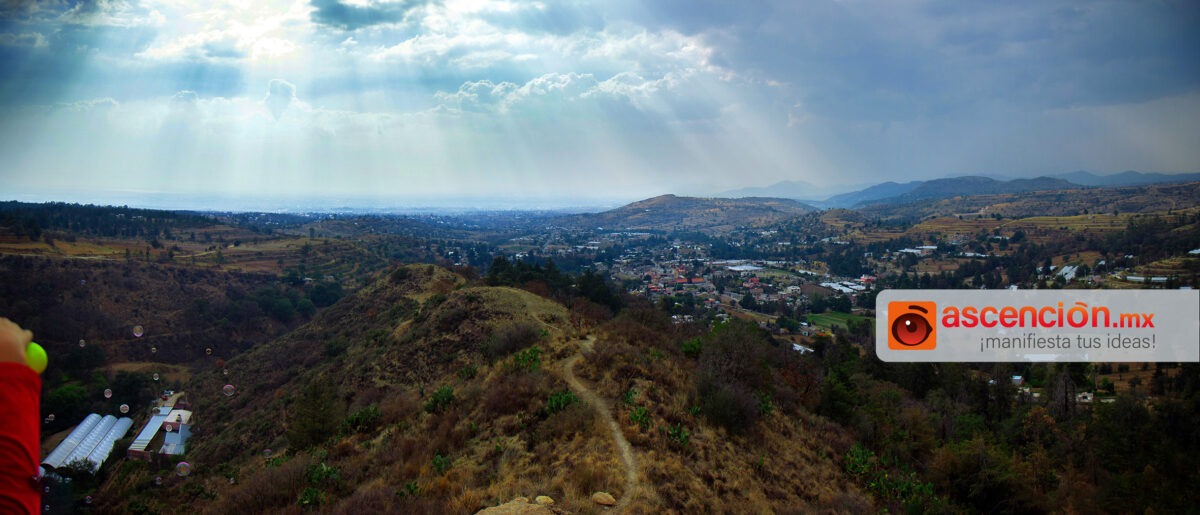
(674, 355)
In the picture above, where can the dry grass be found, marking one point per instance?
(167, 373)
(787, 462)
(496, 441)
(266, 489)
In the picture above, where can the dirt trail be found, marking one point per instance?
(626, 451)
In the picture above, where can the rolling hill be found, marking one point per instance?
(974, 185)
(1126, 178)
(1068, 202)
(423, 393)
(670, 212)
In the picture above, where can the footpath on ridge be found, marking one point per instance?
(602, 409)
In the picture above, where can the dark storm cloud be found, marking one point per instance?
(881, 61)
(352, 17)
(554, 17)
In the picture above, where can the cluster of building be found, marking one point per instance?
(89, 444)
(93, 439)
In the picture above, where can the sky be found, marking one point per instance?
(562, 101)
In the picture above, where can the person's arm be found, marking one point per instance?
(20, 396)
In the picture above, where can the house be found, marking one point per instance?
(801, 349)
(176, 431)
(166, 432)
(1067, 272)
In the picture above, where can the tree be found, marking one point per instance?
(748, 302)
(1134, 383)
(325, 294)
(734, 378)
(316, 415)
(68, 404)
(594, 288)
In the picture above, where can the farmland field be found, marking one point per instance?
(832, 318)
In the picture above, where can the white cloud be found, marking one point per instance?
(230, 31)
(458, 35)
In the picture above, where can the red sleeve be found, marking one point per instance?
(20, 397)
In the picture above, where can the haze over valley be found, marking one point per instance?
(379, 256)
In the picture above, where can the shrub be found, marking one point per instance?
(400, 275)
(732, 406)
(441, 399)
(441, 463)
(691, 347)
(334, 347)
(895, 486)
(321, 473)
(399, 405)
(450, 318)
(512, 394)
(628, 396)
(765, 406)
(467, 372)
(509, 338)
(640, 416)
(572, 420)
(528, 360)
(311, 498)
(679, 435)
(559, 401)
(362, 420)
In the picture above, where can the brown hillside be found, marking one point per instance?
(1123, 199)
(183, 310)
(714, 215)
(421, 394)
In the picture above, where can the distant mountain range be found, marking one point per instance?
(670, 212)
(1128, 178)
(879, 191)
(715, 215)
(798, 190)
(974, 185)
(914, 191)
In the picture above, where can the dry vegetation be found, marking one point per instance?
(423, 394)
(785, 462)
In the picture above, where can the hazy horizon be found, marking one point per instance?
(570, 104)
(385, 204)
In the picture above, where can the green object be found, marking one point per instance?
(35, 357)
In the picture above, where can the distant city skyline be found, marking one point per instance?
(564, 103)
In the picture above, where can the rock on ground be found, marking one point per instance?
(604, 499)
(519, 506)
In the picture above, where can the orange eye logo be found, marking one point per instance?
(912, 325)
